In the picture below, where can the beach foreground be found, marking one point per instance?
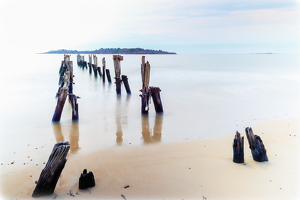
(198, 169)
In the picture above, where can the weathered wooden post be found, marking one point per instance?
(90, 64)
(50, 174)
(117, 65)
(259, 153)
(99, 71)
(63, 91)
(125, 81)
(155, 93)
(238, 148)
(108, 75)
(70, 69)
(74, 105)
(145, 72)
(86, 180)
(103, 67)
(95, 65)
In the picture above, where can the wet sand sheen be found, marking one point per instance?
(195, 169)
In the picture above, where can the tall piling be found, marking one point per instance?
(117, 65)
(145, 73)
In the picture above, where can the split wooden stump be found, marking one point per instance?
(259, 153)
(50, 174)
(238, 148)
(86, 180)
(63, 92)
(126, 84)
(155, 93)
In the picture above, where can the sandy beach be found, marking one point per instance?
(197, 169)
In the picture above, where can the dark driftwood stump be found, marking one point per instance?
(86, 180)
(108, 75)
(60, 104)
(126, 84)
(259, 153)
(99, 71)
(50, 174)
(155, 93)
(238, 148)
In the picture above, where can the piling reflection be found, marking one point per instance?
(119, 133)
(74, 137)
(146, 134)
(57, 132)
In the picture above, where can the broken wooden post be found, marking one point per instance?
(108, 75)
(103, 67)
(95, 65)
(70, 69)
(259, 153)
(117, 65)
(99, 71)
(145, 72)
(50, 174)
(155, 93)
(74, 105)
(126, 84)
(238, 148)
(63, 91)
(86, 180)
(90, 64)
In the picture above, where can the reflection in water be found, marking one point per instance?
(57, 132)
(120, 119)
(156, 136)
(119, 133)
(74, 135)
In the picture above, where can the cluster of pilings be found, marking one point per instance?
(81, 62)
(66, 89)
(148, 92)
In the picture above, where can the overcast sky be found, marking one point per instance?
(182, 26)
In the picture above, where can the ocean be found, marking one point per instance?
(203, 97)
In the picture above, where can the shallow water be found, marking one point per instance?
(203, 96)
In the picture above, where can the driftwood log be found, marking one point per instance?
(259, 153)
(108, 75)
(155, 93)
(126, 84)
(238, 148)
(86, 180)
(50, 174)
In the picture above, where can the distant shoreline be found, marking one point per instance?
(110, 51)
(264, 53)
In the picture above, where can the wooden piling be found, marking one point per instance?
(155, 93)
(74, 105)
(70, 69)
(126, 84)
(259, 153)
(238, 148)
(108, 75)
(117, 65)
(145, 73)
(50, 174)
(103, 67)
(99, 71)
(63, 91)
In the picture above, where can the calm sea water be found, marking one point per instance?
(203, 96)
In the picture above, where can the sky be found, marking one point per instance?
(181, 26)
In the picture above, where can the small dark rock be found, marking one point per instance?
(127, 186)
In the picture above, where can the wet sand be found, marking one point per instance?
(198, 169)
